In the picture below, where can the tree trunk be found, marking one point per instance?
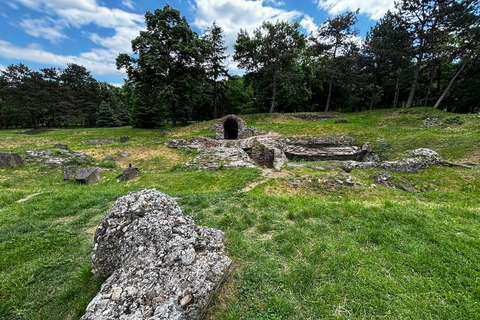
(215, 110)
(439, 101)
(372, 99)
(397, 90)
(274, 92)
(413, 88)
(174, 114)
(327, 106)
(428, 90)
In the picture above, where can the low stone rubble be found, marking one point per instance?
(420, 159)
(218, 157)
(159, 265)
(98, 141)
(10, 159)
(58, 157)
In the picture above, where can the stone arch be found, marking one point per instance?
(230, 129)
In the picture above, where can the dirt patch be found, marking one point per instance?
(267, 174)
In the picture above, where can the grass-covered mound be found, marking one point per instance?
(303, 248)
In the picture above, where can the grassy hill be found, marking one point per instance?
(303, 246)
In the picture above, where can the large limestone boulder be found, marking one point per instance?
(158, 263)
(10, 159)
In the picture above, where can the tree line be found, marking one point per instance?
(425, 53)
(54, 97)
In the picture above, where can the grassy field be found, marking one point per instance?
(301, 248)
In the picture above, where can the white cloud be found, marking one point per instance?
(44, 28)
(62, 14)
(274, 3)
(54, 5)
(375, 9)
(12, 5)
(128, 4)
(120, 42)
(308, 24)
(98, 66)
(35, 46)
(233, 15)
(2, 67)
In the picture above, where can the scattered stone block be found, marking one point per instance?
(124, 138)
(10, 159)
(60, 146)
(98, 142)
(70, 172)
(88, 175)
(130, 173)
(123, 154)
(158, 263)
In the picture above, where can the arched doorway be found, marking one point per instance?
(230, 129)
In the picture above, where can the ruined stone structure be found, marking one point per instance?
(159, 265)
(82, 175)
(232, 127)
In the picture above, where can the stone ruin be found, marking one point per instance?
(10, 159)
(274, 152)
(82, 175)
(232, 127)
(158, 263)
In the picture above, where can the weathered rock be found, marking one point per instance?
(279, 159)
(323, 148)
(217, 157)
(10, 159)
(423, 158)
(196, 143)
(159, 264)
(123, 154)
(130, 173)
(58, 157)
(382, 178)
(60, 146)
(88, 175)
(98, 141)
(124, 139)
(70, 172)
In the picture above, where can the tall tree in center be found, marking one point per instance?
(271, 53)
(335, 37)
(168, 72)
(215, 61)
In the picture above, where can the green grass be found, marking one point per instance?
(300, 251)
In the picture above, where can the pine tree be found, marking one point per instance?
(215, 61)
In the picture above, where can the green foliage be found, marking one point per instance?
(106, 116)
(170, 48)
(270, 58)
(383, 149)
(301, 252)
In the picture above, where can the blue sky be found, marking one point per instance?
(52, 33)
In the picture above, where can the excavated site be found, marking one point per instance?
(237, 145)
